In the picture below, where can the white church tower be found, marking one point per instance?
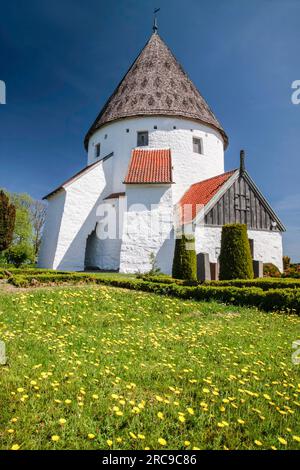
(153, 143)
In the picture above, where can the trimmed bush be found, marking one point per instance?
(185, 259)
(235, 256)
(273, 299)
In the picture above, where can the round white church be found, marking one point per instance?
(154, 150)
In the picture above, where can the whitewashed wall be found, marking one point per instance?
(188, 167)
(147, 229)
(103, 252)
(72, 217)
(267, 245)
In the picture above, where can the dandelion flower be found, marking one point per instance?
(187, 443)
(109, 442)
(62, 421)
(95, 397)
(55, 438)
(296, 438)
(15, 447)
(181, 419)
(91, 436)
(258, 443)
(141, 436)
(282, 441)
(190, 411)
(162, 441)
(160, 415)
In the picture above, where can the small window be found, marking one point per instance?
(105, 137)
(127, 130)
(142, 139)
(97, 150)
(197, 145)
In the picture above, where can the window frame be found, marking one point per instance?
(97, 150)
(139, 133)
(200, 145)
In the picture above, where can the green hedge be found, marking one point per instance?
(235, 256)
(185, 259)
(263, 283)
(273, 299)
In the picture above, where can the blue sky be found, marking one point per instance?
(62, 59)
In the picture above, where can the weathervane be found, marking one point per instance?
(155, 27)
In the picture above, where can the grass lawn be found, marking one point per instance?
(99, 368)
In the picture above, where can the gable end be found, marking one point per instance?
(243, 203)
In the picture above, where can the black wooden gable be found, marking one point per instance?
(242, 202)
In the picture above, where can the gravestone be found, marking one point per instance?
(203, 267)
(214, 270)
(258, 268)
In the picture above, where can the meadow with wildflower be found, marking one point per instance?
(99, 367)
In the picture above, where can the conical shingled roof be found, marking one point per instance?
(156, 84)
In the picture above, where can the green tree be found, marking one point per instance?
(23, 232)
(7, 221)
(185, 259)
(235, 256)
(20, 254)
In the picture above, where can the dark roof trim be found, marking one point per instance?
(77, 175)
(115, 196)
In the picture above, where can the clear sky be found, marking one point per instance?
(61, 59)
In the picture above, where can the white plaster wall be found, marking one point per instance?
(51, 230)
(147, 228)
(188, 167)
(267, 245)
(77, 216)
(103, 252)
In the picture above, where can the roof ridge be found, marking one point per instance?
(213, 177)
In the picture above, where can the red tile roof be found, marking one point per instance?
(150, 166)
(199, 194)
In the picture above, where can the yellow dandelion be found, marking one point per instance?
(258, 443)
(95, 397)
(55, 438)
(131, 434)
(160, 415)
(109, 442)
(282, 441)
(296, 438)
(187, 443)
(91, 436)
(141, 436)
(15, 447)
(190, 411)
(162, 441)
(119, 413)
(62, 421)
(181, 419)
(241, 421)
(68, 402)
